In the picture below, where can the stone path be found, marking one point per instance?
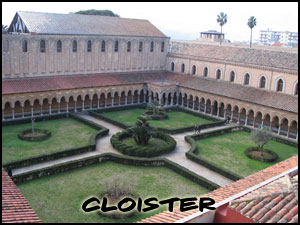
(103, 146)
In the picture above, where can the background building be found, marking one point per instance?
(269, 37)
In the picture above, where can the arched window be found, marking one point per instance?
(116, 46)
(103, 46)
(58, 46)
(140, 46)
(279, 87)
(172, 66)
(42, 46)
(218, 74)
(182, 68)
(205, 72)
(128, 46)
(74, 46)
(6, 46)
(152, 46)
(162, 46)
(246, 79)
(193, 70)
(262, 82)
(232, 76)
(89, 46)
(296, 89)
(24, 46)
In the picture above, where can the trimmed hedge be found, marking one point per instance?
(272, 158)
(128, 160)
(102, 131)
(44, 134)
(142, 151)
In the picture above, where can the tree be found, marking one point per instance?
(142, 132)
(222, 20)
(251, 24)
(261, 137)
(97, 12)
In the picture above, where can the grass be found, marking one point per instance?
(58, 198)
(175, 120)
(65, 133)
(227, 151)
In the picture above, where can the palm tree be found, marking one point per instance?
(251, 24)
(222, 19)
(4, 28)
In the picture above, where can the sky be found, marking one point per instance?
(182, 20)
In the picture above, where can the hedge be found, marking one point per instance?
(45, 134)
(142, 151)
(128, 160)
(272, 158)
(102, 131)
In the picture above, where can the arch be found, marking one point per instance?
(246, 79)
(116, 46)
(7, 111)
(279, 85)
(295, 88)
(103, 46)
(109, 99)
(102, 100)
(243, 116)
(258, 120)
(116, 99)
(215, 108)
(89, 46)
(129, 97)
(235, 114)
(142, 96)
(172, 66)
(293, 130)
(185, 100)
(175, 99)
(151, 46)
(135, 96)
(58, 46)
(128, 46)
(78, 103)
(231, 76)
(95, 101)
(284, 127)
(218, 74)
(18, 109)
(275, 124)
(182, 67)
(63, 105)
(27, 108)
(37, 108)
(123, 98)
(87, 102)
(24, 46)
(71, 104)
(228, 111)
(262, 82)
(208, 106)
(190, 103)
(74, 46)
(196, 103)
(42, 46)
(205, 71)
(222, 110)
(193, 70)
(266, 121)
(202, 105)
(250, 118)
(180, 101)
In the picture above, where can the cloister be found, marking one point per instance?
(239, 112)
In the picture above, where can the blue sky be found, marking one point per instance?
(182, 20)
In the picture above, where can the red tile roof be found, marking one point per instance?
(276, 202)
(230, 190)
(221, 88)
(15, 208)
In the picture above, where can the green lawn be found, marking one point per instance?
(175, 120)
(227, 151)
(66, 133)
(58, 198)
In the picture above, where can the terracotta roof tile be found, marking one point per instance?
(15, 208)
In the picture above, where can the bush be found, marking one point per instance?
(263, 158)
(41, 135)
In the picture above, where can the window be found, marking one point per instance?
(232, 76)
(182, 68)
(59, 46)
(116, 46)
(205, 72)
(151, 46)
(162, 46)
(193, 70)
(128, 46)
(172, 66)
(262, 82)
(279, 87)
(42, 46)
(24, 46)
(246, 79)
(89, 46)
(218, 74)
(140, 46)
(103, 46)
(74, 46)
(296, 89)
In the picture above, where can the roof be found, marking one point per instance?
(78, 24)
(276, 202)
(222, 88)
(211, 32)
(246, 56)
(227, 191)
(15, 208)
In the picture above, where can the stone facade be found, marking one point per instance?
(17, 64)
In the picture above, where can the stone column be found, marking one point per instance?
(119, 100)
(91, 104)
(22, 112)
(112, 101)
(67, 106)
(144, 98)
(82, 106)
(41, 109)
(246, 120)
(31, 111)
(58, 107)
(13, 112)
(75, 106)
(204, 108)
(212, 110)
(126, 100)
(3, 114)
(262, 124)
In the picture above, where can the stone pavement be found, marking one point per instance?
(103, 146)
